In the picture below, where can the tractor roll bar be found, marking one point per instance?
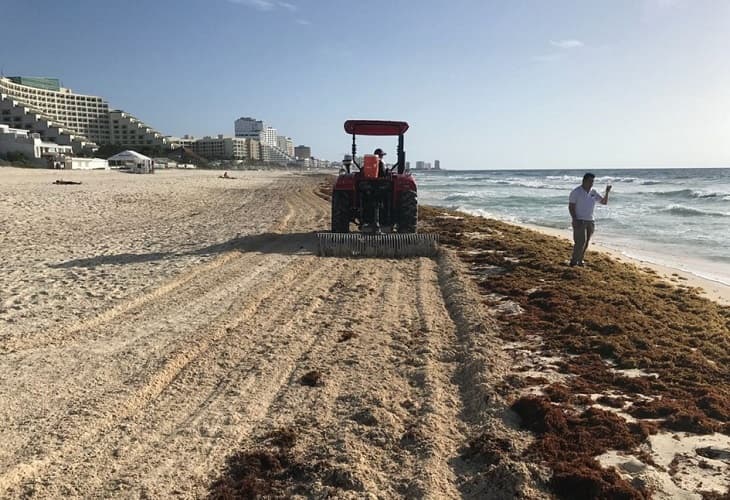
(401, 155)
(354, 153)
(378, 127)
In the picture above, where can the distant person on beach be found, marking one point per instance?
(381, 165)
(581, 203)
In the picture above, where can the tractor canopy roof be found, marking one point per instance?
(375, 127)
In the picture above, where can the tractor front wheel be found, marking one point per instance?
(408, 216)
(340, 212)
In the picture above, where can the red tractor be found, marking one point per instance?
(382, 202)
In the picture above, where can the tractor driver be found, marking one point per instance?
(381, 165)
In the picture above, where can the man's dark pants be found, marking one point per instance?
(582, 232)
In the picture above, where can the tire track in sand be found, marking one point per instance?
(157, 383)
(150, 444)
(377, 423)
(246, 387)
(440, 431)
(163, 394)
(171, 370)
(73, 331)
(99, 412)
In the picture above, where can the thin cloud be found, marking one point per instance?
(303, 22)
(266, 5)
(263, 5)
(567, 44)
(288, 6)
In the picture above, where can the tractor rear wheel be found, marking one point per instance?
(340, 212)
(408, 215)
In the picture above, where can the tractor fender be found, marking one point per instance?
(404, 183)
(345, 182)
(401, 184)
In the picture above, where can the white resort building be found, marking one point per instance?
(130, 131)
(30, 144)
(57, 114)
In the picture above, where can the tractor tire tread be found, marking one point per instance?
(408, 215)
(340, 212)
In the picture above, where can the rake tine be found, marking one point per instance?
(377, 245)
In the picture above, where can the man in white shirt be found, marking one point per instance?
(581, 203)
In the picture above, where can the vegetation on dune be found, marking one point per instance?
(18, 159)
(601, 319)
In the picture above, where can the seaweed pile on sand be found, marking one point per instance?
(608, 358)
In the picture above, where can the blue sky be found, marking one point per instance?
(484, 84)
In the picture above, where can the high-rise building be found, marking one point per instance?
(249, 127)
(252, 128)
(437, 164)
(268, 136)
(302, 152)
(285, 144)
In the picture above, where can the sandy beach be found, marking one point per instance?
(175, 335)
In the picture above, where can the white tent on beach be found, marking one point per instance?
(132, 161)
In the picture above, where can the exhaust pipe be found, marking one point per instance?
(392, 245)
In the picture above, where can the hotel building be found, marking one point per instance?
(227, 148)
(130, 131)
(29, 144)
(57, 114)
(249, 127)
(303, 152)
(272, 148)
(285, 144)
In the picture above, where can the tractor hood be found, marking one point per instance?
(375, 127)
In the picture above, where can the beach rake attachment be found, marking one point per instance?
(392, 245)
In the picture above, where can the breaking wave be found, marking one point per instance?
(690, 194)
(682, 211)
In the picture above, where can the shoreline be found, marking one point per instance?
(714, 290)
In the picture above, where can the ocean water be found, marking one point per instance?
(679, 218)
